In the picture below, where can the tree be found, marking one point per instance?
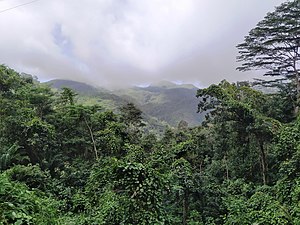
(125, 193)
(132, 117)
(76, 123)
(182, 185)
(261, 207)
(242, 109)
(182, 125)
(274, 45)
(67, 96)
(38, 96)
(10, 80)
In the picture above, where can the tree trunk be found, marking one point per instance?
(263, 162)
(185, 207)
(92, 137)
(200, 166)
(297, 80)
(226, 166)
(298, 94)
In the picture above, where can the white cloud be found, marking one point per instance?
(128, 41)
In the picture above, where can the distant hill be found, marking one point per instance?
(89, 94)
(162, 103)
(170, 103)
(79, 87)
(170, 85)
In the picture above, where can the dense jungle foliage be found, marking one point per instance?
(65, 163)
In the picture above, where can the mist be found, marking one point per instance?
(119, 43)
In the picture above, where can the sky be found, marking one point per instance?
(116, 43)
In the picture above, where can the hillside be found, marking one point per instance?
(162, 103)
(167, 103)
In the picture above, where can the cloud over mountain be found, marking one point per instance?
(121, 42)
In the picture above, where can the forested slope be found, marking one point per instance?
(163, 104)
(65, 163)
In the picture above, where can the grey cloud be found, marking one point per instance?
(124, 42)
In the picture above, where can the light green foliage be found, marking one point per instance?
(125, 193)
(67, 96)
(19, 205)
(10, 81)
(288, 150)
(260, 208)
(111, 139)
(8, 156)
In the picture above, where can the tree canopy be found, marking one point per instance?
(274, 45)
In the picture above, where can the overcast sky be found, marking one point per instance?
(123, 42)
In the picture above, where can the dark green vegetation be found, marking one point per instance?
(62, 162)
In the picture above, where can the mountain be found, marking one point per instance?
(162, 103)
(88, 94)
(170, 85)
(170, 103)
(79, 87)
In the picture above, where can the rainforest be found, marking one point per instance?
(68, 157)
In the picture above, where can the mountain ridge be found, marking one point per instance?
(165, 101)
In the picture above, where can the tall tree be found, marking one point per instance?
(242, 109)
(67, 96)
(131, 114)
(274, 46)
(132, 117)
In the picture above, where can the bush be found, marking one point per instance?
(19, 205)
